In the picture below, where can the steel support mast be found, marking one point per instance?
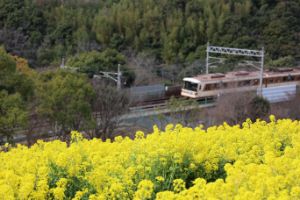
(237, 52)
(113, 76)
(116, 77)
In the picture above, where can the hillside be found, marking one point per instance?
(171, 31)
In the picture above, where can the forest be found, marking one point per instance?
(168, 31)
(155, 41)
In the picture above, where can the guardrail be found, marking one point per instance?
(134, 112)
(147, 107)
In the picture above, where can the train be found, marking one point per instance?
(152, 94)
(207, 87)
(213, 85)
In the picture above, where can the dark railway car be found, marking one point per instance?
(152, 94)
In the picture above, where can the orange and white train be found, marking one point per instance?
(212, 85)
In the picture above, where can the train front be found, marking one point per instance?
(191, 88)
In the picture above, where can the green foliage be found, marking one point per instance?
(259, 108)
(74, 183)
(23, 26)
(62, 98)
(108, 60)
(13, 81)
(65, 98)
(93, 62)
(13, 114)
(228, 65)
(16, 93)
(287, 61)
(174, 31)
(7, 68)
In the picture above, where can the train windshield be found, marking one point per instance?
(190, 86)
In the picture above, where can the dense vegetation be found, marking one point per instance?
(173, 31)
(61, 99)
(256, 161)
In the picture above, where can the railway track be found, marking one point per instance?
(162, 104)
(148, 105)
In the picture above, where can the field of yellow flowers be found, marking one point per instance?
(256, 161)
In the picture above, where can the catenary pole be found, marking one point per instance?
(207, 57)
(119, 77)
(261, 72)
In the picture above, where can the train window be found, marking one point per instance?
(279, 80)
(270, 80)
(244, 83)
(190, 86)
(224, 85)
(214, 86)
(231, 84)
(255, 82)
(265, 81)
(276, 80)
(291, 78)
(217, 86)
(208, 87)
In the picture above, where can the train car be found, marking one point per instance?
(152, 94)
(212, 85)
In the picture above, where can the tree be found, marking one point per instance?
(293, 107)
(31, 75)
(173, 31)
(180, 111)
(287, 109)
(143, 67)
(66, 100)
(13, 114)
(17, 89)
(287, 61)
(108, 60)
(13, 80)
(22, 27)
(22, 66)
(110, 104)
(259, 108)
(235, 108)
(232, 108)
(7, 69)
(93, 62)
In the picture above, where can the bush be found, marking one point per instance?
(259, 108)
(287, 61)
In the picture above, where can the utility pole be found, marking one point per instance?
(207, 57)
(261, 72)
(119, 77)
(62, 65)
(116, 77)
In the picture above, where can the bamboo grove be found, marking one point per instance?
(173, 31)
